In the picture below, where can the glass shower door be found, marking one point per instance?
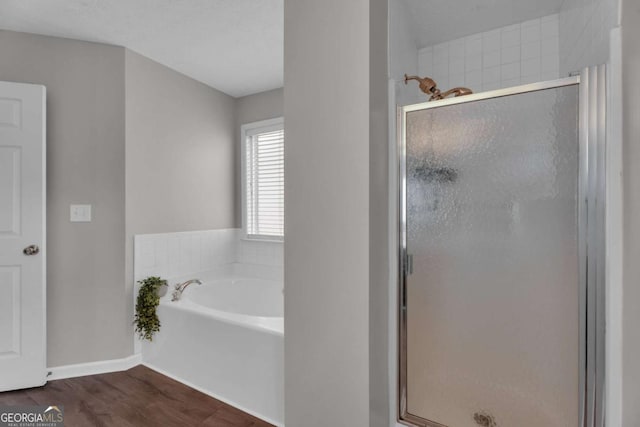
(491, 307)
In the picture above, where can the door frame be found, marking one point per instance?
(591, 195)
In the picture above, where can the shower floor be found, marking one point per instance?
(138, 397)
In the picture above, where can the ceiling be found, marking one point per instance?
(437, 21)
(235, 46)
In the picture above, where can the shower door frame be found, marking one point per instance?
(591, 237)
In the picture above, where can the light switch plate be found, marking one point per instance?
(80, 213)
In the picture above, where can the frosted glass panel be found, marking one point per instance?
(493, 314)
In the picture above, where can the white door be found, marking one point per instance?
(22, 236)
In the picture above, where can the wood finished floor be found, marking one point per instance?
(138, 397)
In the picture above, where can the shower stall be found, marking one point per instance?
(501, 235)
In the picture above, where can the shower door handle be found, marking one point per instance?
(408, 264)
(407, 269)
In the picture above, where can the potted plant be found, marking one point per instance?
(146, 319)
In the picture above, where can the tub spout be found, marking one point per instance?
(180, 287)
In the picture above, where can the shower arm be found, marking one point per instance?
(427, 84)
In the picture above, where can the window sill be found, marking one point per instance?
(248, 239)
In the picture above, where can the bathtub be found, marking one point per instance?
(226, 338)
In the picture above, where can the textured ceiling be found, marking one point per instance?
(437, 21)
(235, 46)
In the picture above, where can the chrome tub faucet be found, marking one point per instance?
(180, 287)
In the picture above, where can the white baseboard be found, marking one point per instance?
(215, 396)
(93, 368)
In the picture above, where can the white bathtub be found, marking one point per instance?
(225, 338)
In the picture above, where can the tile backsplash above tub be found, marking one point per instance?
(180, 254)
(260, 252)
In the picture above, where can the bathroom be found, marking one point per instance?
(158, 157)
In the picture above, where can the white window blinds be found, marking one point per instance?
(264, 182)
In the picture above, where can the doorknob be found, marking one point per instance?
(31, 250)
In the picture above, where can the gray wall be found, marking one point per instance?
(106, 104)
(253, 108)
(180, 155)
(379, 231)
(326, 109)
(631, 182)
(86, 317)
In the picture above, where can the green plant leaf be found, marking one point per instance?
(146, 319)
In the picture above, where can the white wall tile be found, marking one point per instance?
(146, 253)
(549, 75)
(550, 46)
(472, 62)
(549, 27)
(206, 255)
(530, 50)
(186, 253)
(456, 49)
(498, 58)
(161, 247)
(174, 268)
(456, 63)
(441, 68)
(491, 40)
(584, 27)
(491, 75)
(510, 37)
(491, 86)
(179, 254)
(441, 53)
(532, 78)
(473, 44)
(425, 59)
(550, 63)
(456, 80)
(510, 82)
(510, 54)
(491, 59)
(473, 79)
(530, 67)
(530, 31)
(510, 71)
(279, 255)
(263, 253)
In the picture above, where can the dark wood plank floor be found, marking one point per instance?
(138, 397)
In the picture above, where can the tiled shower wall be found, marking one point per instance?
(517, 54)
(584, 32)
(177, 254)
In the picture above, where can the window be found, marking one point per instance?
(263, 179)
